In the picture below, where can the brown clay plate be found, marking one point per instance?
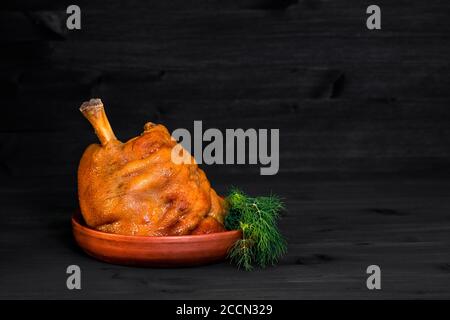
(171, 251)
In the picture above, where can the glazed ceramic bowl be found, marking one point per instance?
(171, 251)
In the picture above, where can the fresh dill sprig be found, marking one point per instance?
(261, 244)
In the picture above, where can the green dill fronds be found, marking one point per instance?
(262, 244)
(241, 254)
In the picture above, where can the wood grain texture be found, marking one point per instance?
(334, 228)
(364, 136)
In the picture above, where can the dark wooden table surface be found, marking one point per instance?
(364, 125)
(335, 230)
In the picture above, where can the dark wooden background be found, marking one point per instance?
(364, 120)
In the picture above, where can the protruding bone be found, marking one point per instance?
(93, 111)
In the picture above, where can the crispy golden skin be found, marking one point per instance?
(134, 188)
